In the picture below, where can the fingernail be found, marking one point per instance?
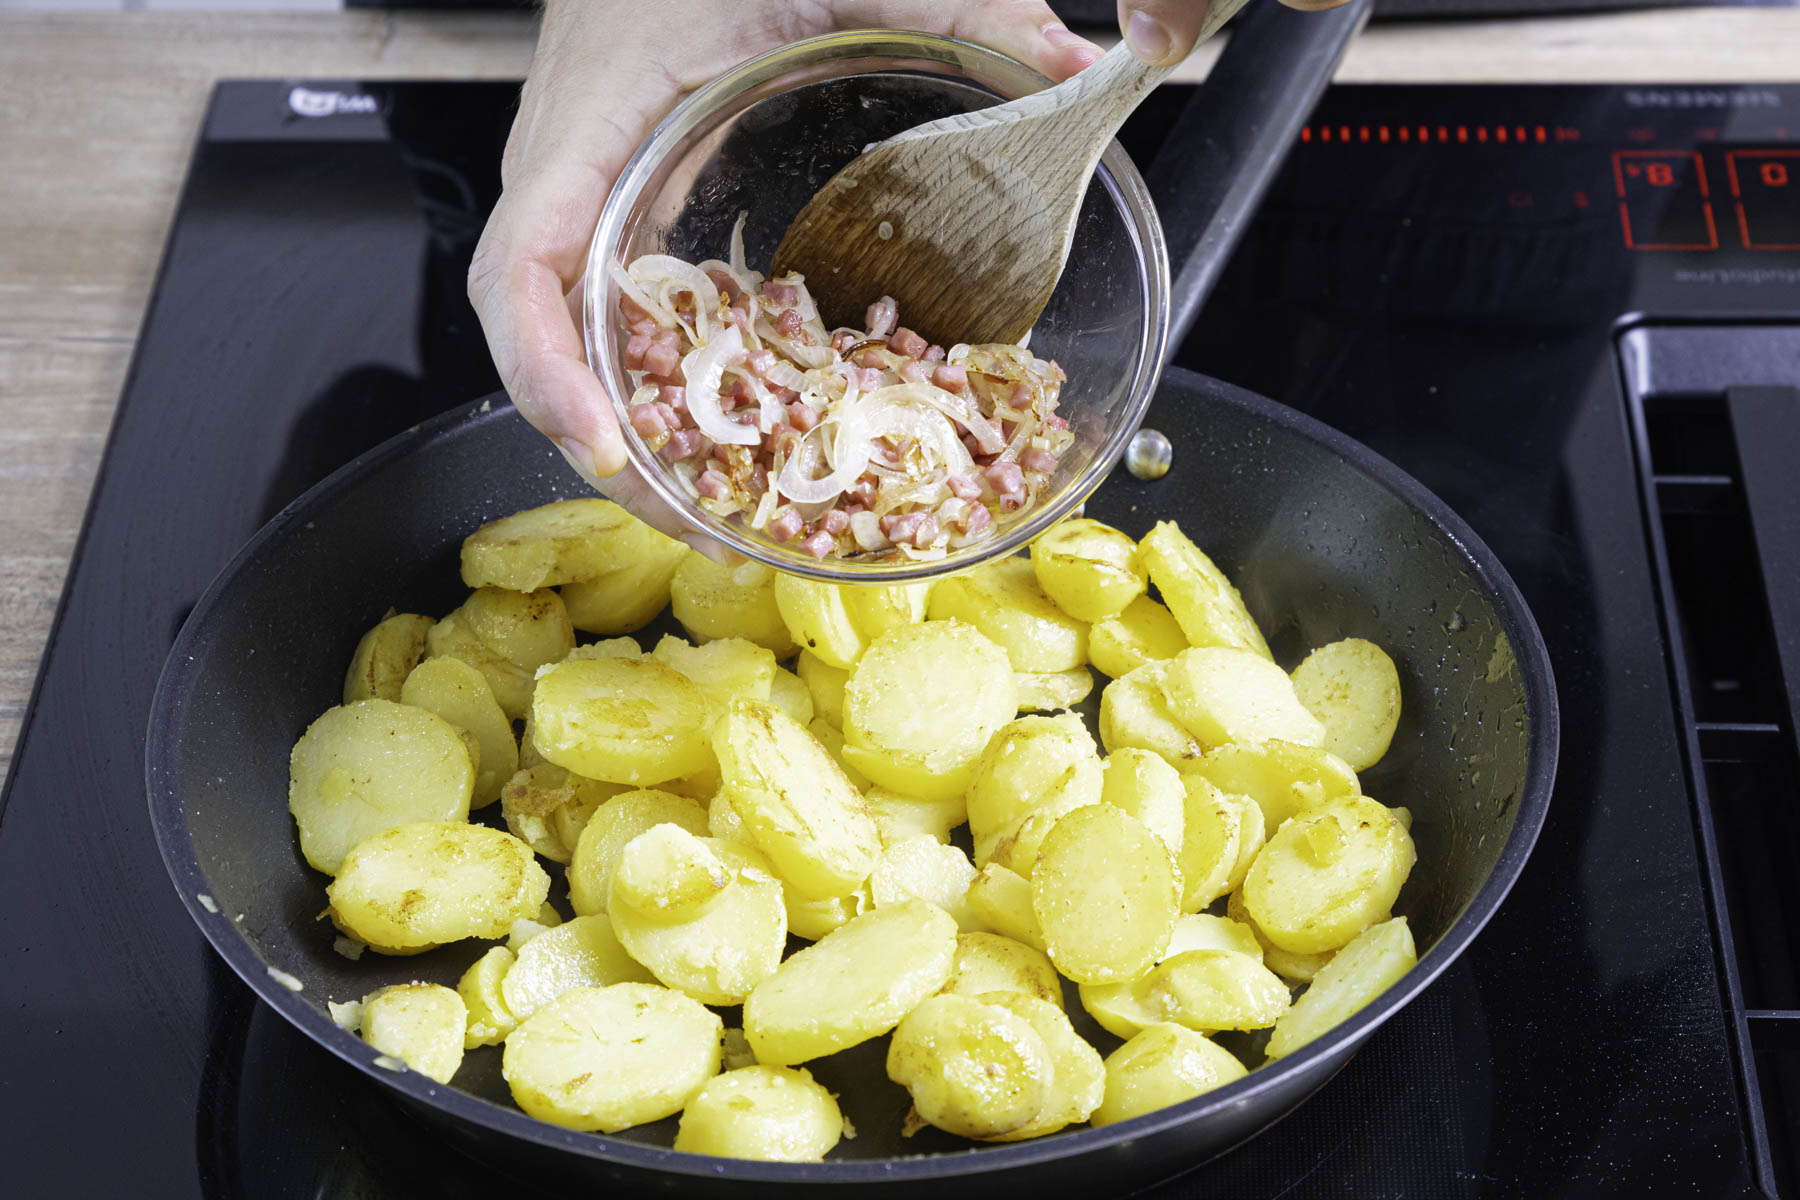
(1148, 39)
(579, 455)
(1062, 35)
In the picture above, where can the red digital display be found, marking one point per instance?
(1765, 190)
(1664, 203)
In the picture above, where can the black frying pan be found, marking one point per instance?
(1325, 539)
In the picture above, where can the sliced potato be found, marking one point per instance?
(1106, 894)
(1001, 898)
(421, 885)
(1353, 689)
(628, 594)
(613, 647)
(1032, 763)
(900, 817)
(385, 656)
(1203, 601)
(716, 952)
(853, 984)
(489, 1018)
(1328, 874)
(1204, 931)
(819, 621)
(1283, 778)
(799, 807)
(1002, 599)
(613, 1057)
(370, 766)
(1017, 848)
(1225, 695)
(1295, 968)
(1212, 989)
(1135, 713)
(582, 953)
(768, 1114)
(1144, 633)
(556, 543)
(991, 962)
(1122, 1009)
(533, 801)
(527, 629)
(789, 693)
(612, 827)
(713, 601)
(668, 873)
(726, 669)
(1211, 821)
(826, 684)
(875, 610)
(1250, 840)
(460, 694)
(1373, 961)
(1077, 1076)
(1088, 569)
(921, 705)
(621, 720)
(813, 919)
(830, 737)
(1161, 1066)
(1126, 1009)
(973, 1068)
(1051, 691)
(924, 868)
(453, 637)
(421, 1024)
(1144, 785)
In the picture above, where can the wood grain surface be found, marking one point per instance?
(98, 114)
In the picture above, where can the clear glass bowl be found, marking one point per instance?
(765, 136)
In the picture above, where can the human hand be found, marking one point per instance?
(1163, 32)
(604, 73)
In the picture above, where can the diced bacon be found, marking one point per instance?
(782, 440)
(740, 390)
(914, 371)
(647, 421)
(882, 316)
(863, 490)
(671, 417)
(934, 354)
(788, 323)
(683, 443)
(1056, 423)
(713, 485)
(636, 347)
(782, 294)
(1041, 461)
(841, 342)
(819, 544)
(972, 446)
(739, 317)
(927, 531)
(908, 343)
(786, 526)
(901, 527)
(850, 510)
(963, 488)
(951, 379)
(836, 522)
(1021, 397)
(760, 361)
(803, 416)
(725, 283)
(633, 312)
(868, 378)
(645, 326)
(1012, 501)
(673, 395)
(1006, 477)
(664, 355)
(871, 358)
(976, 519)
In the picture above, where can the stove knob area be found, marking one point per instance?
(1148, 455)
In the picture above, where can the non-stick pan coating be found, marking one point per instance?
(1325, 539)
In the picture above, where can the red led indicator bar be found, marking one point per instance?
(1765, 191)
(1662, 190)
(1505, 135)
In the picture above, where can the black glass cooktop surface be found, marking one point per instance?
(1441, 272)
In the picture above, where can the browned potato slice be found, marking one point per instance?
(612, 827)
(826, 683)
(1295, 968)
(923, 868)
(990, 962)
(1328, 874)
(819, 621)
(1089, 569)
(1281, 777)
(560, 542)
(580, 953)
(973, 1068)
(875, 610)
(384, 657)
(795, 801)
(1032, 763)
(1211, 990)
(1161, 1066)
(527, 629)
(713, 601)
(1147, 787)
(1224, 695)
(767, 1114)
(1002, 599)
(489, 1018)
(1002, 899)
(1050, 691)
(1077, 1076)
(1353, 689)
(421, 1024)
(1145, 632)
(621, 720)
(453, 637)
(370, 766)
(1203, 601)
(921, 705)
(853, 984)
(460, 694)
(1373, 962)
(717, 951)
(1210, 843)
(789, 693)
(1106, 894)
(416, 886)
(1135, 713)
(900, 817)
(534, 801)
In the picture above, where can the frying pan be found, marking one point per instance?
(1325, 539)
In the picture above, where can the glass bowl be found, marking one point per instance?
(764, 137)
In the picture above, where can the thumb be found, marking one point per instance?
(1163, 32)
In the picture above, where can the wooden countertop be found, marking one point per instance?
(98, 115)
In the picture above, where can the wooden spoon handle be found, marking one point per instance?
(1106, 92)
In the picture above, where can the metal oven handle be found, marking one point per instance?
(1765, 424)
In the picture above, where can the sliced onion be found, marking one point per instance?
(704, 370)
(739, 269)
(865, 527)
(786, 375)
(797, 481)
(639, 296)
(671, 273)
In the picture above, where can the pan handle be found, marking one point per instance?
(1232, 136)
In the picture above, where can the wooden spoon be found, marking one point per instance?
(966, 221)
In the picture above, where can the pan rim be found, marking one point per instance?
(180, 859)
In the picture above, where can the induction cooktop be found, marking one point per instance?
(1570, 311)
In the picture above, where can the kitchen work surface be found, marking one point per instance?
(1442, 272)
